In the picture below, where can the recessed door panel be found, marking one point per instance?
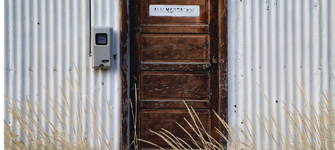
(174, 48)
(155, 120)
(161, 85)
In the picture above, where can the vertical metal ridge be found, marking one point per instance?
(50, 56)
(26, 54)
(19, 59)
(85, 66)
(7, 53)
(43, 74)
(30, 57)
(332, 46)
(11, 50)
(35, 58)
(248, 63)
(324, 41)
(272, 63)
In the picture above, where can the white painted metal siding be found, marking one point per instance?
(275, 43)
(42, 37)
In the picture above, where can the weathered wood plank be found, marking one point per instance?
(161, 85)
(223, 62)
(174, 48)
(174, 28)
(151, 66)
(162, 104)
(165, 118)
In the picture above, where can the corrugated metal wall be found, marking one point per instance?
(275, 43)
(42, 37)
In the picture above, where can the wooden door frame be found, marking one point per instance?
(128, 32)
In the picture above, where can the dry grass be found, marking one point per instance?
(312, 130)
(69, 132)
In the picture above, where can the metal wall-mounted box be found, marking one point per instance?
(101, 47)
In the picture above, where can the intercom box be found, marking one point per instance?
(102, 47)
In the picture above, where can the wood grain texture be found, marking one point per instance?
(213, 31)
(174, 67)
(161, 85)
(223, 63)
(156, 119)
(174, 48)
(134, 58)
(125, 139)
(174, 28)
(162, 104)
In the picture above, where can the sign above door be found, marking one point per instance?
(174, 10)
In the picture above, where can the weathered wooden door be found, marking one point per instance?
(174, 59)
